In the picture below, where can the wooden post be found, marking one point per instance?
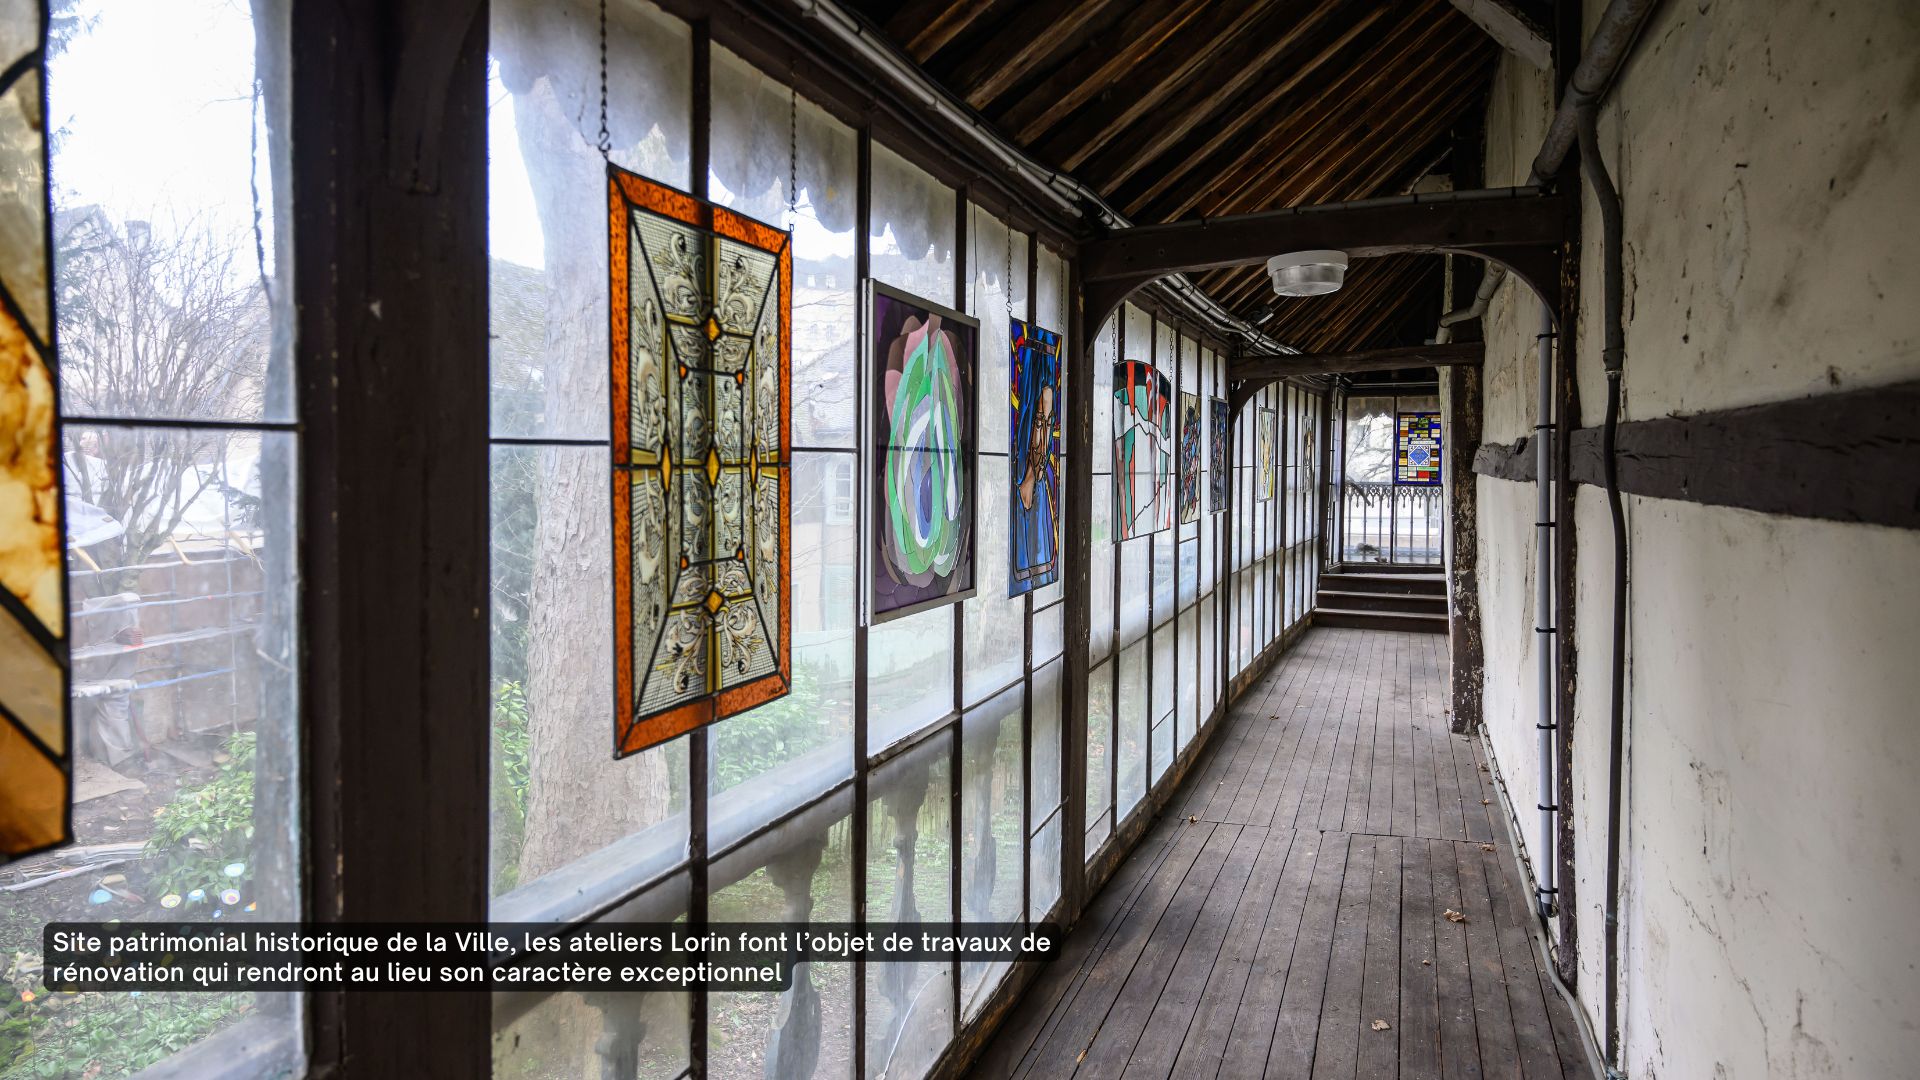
(389, 173)
(1463, 575)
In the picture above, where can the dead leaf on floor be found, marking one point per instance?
(1427, 963)
(1486, 802)
(1381, 1025)
(1483, 767)
(1455, 916)
(1486, 847)
(1194, 820)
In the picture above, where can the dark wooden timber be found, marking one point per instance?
(390, 266)
(1296, 892)
(1406, 356)
(1836, 457)
(1519, 228)
(1568, 38)
(1463, 546)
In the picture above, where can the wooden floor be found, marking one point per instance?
(1295, 899)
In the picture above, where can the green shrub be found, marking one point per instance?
(203, 829)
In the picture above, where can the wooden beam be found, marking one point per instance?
(1519, 228)
(1412, 356)
(1837, 457)
(1511, 29)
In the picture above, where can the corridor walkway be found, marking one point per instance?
(1295, 896)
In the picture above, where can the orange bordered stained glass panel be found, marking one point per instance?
(35, 710)
(701, 302)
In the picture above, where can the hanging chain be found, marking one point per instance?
(1006, 276)
(606, 136)
(793, 147)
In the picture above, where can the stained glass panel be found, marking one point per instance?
(1142, 450)
(33, 651)
(1417, 450)
(1035, 495)
(1189, 458)
(1264, 464)
(701, 302)
(1219, 474)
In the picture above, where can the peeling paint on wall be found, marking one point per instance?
(1771, 867)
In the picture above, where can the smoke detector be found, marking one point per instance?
(1307, 273)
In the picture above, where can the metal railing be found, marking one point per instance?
(1392, 524)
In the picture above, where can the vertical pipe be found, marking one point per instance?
(1543, 855)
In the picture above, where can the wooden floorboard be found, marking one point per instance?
(1332, 895)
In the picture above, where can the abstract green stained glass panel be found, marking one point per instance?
(701, 301)
(34, 717)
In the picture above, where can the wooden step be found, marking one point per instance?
(1374, 601)
(1380, 620)
(1404, 584)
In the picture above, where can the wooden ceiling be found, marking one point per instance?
(1175, 109)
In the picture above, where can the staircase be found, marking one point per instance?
(1381, 599)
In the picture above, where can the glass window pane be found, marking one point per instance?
(995, 622)
(909, 1007)
(559, 796)
(912, 229)
(184, 637)
(760, 133)
(805, 876)
(1105, 352)
(1045, 859)
(1162, 748)
(164, 279)
(1164, 577)
(992, 833)
(1188, 671)
(798, 746)
(1209, 658)
(1099, 738)
(1163, 639)
(909, 675)
(1044, 769)
(1047, 631)
(589, 1034)
(1135, 599)
(548, 261)
(991, 246)
(1100, 571)
(1130, 727)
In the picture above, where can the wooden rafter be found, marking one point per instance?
(926, 26)
(1037, 32)
(1108, 56)
(1249, 62)
(1245, 123)
(1149, 83)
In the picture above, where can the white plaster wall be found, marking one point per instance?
(1769, 165)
